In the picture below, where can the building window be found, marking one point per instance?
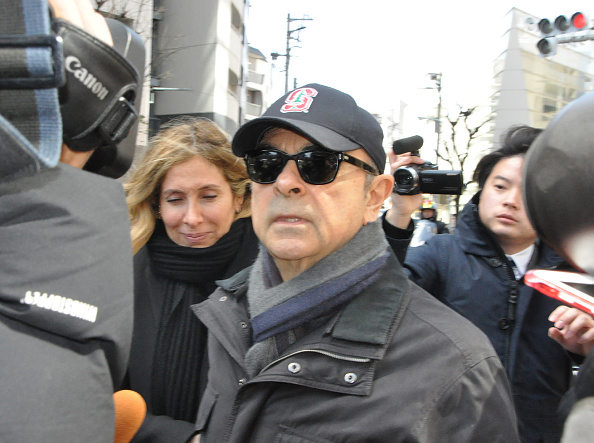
(233, 83)
(236, 18)
(549, 106)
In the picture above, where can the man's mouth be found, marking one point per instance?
(506, 217)
(287, 219)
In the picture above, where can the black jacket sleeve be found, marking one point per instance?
(399, 239)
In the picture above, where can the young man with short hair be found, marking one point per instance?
(478, 272)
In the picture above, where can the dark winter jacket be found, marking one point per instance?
(394, 365)
(469, 272)
(149, 305)
(65, 305)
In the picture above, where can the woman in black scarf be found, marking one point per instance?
(189, 205)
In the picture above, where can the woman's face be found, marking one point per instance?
(196, 203)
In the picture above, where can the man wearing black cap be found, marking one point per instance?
(324, 338)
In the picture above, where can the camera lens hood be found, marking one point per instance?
(406, 181)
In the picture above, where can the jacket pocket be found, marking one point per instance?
(205, 409)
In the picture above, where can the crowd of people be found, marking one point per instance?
(478, 272)
(245, 287)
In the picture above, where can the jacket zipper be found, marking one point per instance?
(326, 353)
(511, 309)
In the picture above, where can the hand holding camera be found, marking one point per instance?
(403, 206)
(422, 177)
(414, 176)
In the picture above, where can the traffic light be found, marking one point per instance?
(547, 45)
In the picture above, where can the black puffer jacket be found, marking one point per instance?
(469, 272)
(395, 365)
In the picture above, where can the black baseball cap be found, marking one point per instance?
(326, 116)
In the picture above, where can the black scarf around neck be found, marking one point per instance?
(186, 276)
(194, 265)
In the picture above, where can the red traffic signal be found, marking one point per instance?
(562, 24)
(551, 31)
(579, 20)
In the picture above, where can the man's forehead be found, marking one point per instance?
(508, 169)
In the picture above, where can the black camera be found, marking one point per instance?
(425, 178)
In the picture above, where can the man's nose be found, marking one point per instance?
(514, 197)
(289, 180)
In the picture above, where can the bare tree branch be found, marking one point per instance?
(455, 155)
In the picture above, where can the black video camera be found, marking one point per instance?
(425, 178)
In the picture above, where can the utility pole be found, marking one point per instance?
(288, 48)
(436, 77)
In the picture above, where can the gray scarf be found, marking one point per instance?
(279, 310)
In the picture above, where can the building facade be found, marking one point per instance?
(530, 89)
(199, 61)
(257, 84)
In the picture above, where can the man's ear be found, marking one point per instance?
(379, 190)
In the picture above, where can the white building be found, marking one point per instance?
(258, 84)
(530, 89)
(199, 59)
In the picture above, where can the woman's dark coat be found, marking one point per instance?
(149, 300)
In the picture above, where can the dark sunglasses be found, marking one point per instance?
(316, 166)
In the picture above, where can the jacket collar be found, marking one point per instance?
(474, 238)
(367, 319)
(365, 326)
(472, 235)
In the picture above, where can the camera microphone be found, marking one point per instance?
(408, 144)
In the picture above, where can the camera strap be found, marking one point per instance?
(30, 72)
(97, 101)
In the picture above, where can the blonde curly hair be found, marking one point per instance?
(180, 140)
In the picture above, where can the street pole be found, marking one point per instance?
(288, 52)
(288, 47)
(436, 77)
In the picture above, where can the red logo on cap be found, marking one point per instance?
(299, 100)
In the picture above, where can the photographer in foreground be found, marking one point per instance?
(478, 272)
(66, 286)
